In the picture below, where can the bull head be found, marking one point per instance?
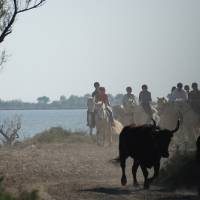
(163, 138)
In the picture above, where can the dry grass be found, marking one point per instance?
(66, 166)
(56, 135)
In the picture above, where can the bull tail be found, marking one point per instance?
(117, 159)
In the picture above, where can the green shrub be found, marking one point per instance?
(58, 134)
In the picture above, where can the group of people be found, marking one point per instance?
(144, 99)
(178, 94)
(184, 94)
(99, 95)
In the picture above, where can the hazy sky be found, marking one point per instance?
(66, 45)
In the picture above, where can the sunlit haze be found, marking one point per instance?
(64, 46)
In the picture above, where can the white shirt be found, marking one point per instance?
(179, 95)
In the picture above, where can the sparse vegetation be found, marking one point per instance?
(58, 134)
(62, 164)
(9, 130)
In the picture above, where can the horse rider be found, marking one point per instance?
(128, 103)
(96, 91)
(187, 89)
(169, 96)
(128, 99)
(95, 94)
(103, 97)
(179, 95)
(145, 100)
(194, 98)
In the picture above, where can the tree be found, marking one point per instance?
(63, 99)
(9, 10)
(43, 100)
(9, 130)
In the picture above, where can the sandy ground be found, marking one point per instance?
(74, 171)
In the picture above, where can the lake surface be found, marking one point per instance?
(36, 121)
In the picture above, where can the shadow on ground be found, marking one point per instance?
(108, 191)
(179, 197)
(155, 193)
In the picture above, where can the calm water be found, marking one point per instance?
(35, 121)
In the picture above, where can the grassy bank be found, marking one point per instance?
(58, 135)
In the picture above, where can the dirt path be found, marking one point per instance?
(74, 171)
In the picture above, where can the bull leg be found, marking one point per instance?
(196, 133)
(123, 166)
(145, 173)
(156, 172)
(134, 172)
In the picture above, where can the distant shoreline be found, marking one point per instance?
(43, 109)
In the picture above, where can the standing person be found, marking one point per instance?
(128, 103)
(194, 98)
(145, 100)
(179, 95)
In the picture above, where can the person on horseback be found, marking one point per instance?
(103, 97)
(128, 103)
(169, 96)
(194, 98)
(145, 100)
(128, 99)
(187, 89)
(179, 98)
(179, 95)
(96, 91)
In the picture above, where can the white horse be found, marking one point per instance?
(135, 114)
(103, 124)
(98, 117)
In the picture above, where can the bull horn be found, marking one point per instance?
(177, 127)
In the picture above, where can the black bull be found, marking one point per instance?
(146, 145)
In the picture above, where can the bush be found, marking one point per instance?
(58, 134)
(181, 171)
